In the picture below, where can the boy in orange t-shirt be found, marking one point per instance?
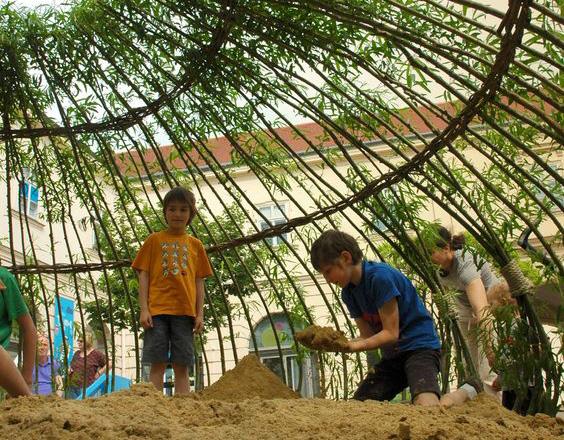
(171, 266)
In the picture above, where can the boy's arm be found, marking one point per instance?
(199, 321)
(145, 318)
(11, 379)
(27, 327)
(389, 315)
(364, 329)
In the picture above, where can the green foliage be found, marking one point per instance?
(126, 74)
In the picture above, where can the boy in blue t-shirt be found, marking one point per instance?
(389, 315)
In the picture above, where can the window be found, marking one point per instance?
(95, 230)
(389, 201)
(300, 376)
(29, 196)
(551, 185)
(289, 372)
(275, 215)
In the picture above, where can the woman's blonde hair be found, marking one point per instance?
(87, 339)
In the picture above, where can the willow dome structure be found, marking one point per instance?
(284, 118)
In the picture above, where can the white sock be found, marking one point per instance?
(472, 393)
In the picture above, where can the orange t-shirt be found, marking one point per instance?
(173, 262)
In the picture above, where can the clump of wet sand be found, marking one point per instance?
(322, 338)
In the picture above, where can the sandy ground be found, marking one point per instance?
(142, 412)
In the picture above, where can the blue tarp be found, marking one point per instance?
(98, 387)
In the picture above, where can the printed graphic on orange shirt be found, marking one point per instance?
(174, 258)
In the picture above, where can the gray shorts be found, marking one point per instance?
(170, 340)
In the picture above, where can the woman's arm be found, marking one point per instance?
(102, 367)
(101, 371)
(476, 293)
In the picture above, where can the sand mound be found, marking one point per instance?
(143, 413)
(322, 338)
(249, 379)
(270, 411)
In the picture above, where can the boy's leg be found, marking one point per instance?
(421, 368)
(508, 399)
(156, 375)
(181, 381)
(156, 347)
(384, 383)
(527, 401)
(182, 351)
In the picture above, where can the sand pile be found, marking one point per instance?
(322, 338)
(143, 413)
(250, 378)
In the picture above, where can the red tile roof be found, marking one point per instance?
(222, 149)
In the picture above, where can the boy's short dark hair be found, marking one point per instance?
(329, 246)
(180, 194)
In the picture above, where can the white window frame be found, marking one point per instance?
(275, 215)
(292, 369)
(290, 366)
(95, 242)
(29, 194)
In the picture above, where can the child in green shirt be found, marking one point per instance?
(13, 308)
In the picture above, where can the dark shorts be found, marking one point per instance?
(509, 397)
(170, 340)
(417, 369)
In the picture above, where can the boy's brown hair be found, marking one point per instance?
(180, 194)
(329, 246)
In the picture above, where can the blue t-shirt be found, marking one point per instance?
(379, 284)
(42, 377)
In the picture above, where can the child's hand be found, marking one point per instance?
(198, 324)
(355, 345)
(348, 348)
(146, 319)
